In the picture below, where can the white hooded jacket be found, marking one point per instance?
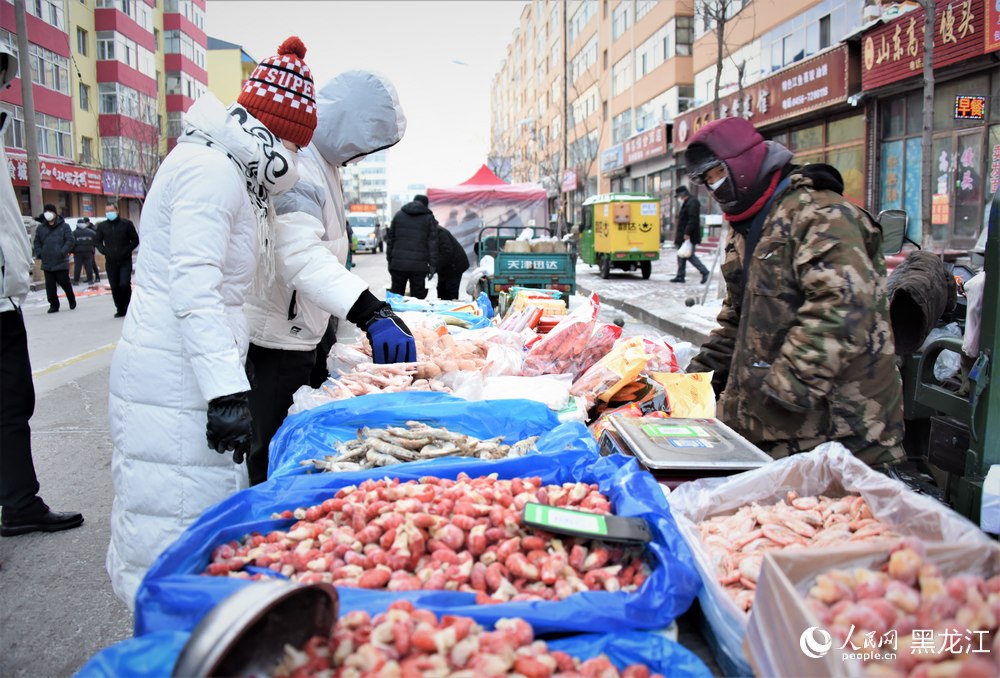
(183, 344)
(15, 249)
(358, 113)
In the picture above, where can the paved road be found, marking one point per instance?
(56, 600)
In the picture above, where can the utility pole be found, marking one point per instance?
(28, 104)
(563, 157)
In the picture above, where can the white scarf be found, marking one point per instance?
(264, 163)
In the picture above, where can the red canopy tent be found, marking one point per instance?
(484, 199)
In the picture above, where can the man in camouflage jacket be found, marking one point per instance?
(804, 353)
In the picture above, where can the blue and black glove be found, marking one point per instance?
(391, 339)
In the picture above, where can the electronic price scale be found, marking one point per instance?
(679, 450)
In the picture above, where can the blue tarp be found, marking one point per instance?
(154, 655)
(173, 596)
(312, 434)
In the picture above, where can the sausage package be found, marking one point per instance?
(829, 470)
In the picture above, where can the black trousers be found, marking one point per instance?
(277, 375)
(695, 261)
(418, 284)
(448, 284)
(60, 279)
(18, 483)
(85, 263)
(119, 273)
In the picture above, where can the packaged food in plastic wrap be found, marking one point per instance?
(550, 389)
(829, 470)
(690, 395)
(559, 351)
(623, 363)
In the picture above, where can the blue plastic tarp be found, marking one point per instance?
(175, 596)
(154, 655)
(313, 433)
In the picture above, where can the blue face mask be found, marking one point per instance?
(111, 215)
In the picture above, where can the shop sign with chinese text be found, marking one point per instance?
(56, 176)
(969, 107)
(613, 158)
(894, 51)
(123, 185)
(992, 32)
(646, 145)
(806, 86)
(569, 181)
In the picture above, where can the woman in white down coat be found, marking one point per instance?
(358, 114)
(178, 372)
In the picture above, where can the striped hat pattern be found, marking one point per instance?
(280, 93)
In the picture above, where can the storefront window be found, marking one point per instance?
(911, 192)
(993, 150)
(845, 130)
(850, 161)
(809, 137)
(892, 175)
(968, 185)
(944, 102)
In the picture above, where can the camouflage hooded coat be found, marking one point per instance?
(804, 353)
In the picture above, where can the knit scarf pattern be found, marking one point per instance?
(263, 164)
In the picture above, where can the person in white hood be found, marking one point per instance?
(179, 390)
(23, 510)
(358, 114)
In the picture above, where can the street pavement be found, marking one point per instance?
(58, 606)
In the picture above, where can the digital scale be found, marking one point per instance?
(678, 450)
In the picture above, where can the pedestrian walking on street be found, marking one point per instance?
(116, 240)
(452, 263)
(53, 243)
(805, 350)
(83, 252)
(688, 229)
(411, 248)
(358, 113)
(179, 393)
(23, 510)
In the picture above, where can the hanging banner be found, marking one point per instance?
(56, 176)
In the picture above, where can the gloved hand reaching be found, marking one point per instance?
(230, 425)
(391, 339)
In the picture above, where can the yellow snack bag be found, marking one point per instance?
(690, 395)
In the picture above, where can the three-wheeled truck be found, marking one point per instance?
(552, 270)
(621, 230)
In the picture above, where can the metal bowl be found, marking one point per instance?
(247, 632)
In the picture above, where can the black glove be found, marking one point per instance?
(230, 425)
(430, 272)
(391, 339)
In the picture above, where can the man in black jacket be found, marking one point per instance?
(116, 240)
(83, 252)
(411, 247)
(53, 243)
(688, 228)
(452, 263)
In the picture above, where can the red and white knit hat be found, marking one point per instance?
(281, 95)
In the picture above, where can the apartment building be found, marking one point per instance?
(837, 81)
(228, 68)
(366, 182)
(110, 79)
(583, 102)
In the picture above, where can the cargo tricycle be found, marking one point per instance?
(621, 230)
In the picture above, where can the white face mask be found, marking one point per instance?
(49, 216)
(717, 183)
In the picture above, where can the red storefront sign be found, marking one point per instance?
(806, 86)
(895, 51)
(992, 32)
(646, 145)
(56, 176)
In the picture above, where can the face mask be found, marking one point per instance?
(111, 215)
(49, 216)
(722, 191)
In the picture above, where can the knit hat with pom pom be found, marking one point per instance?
(280, 94)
